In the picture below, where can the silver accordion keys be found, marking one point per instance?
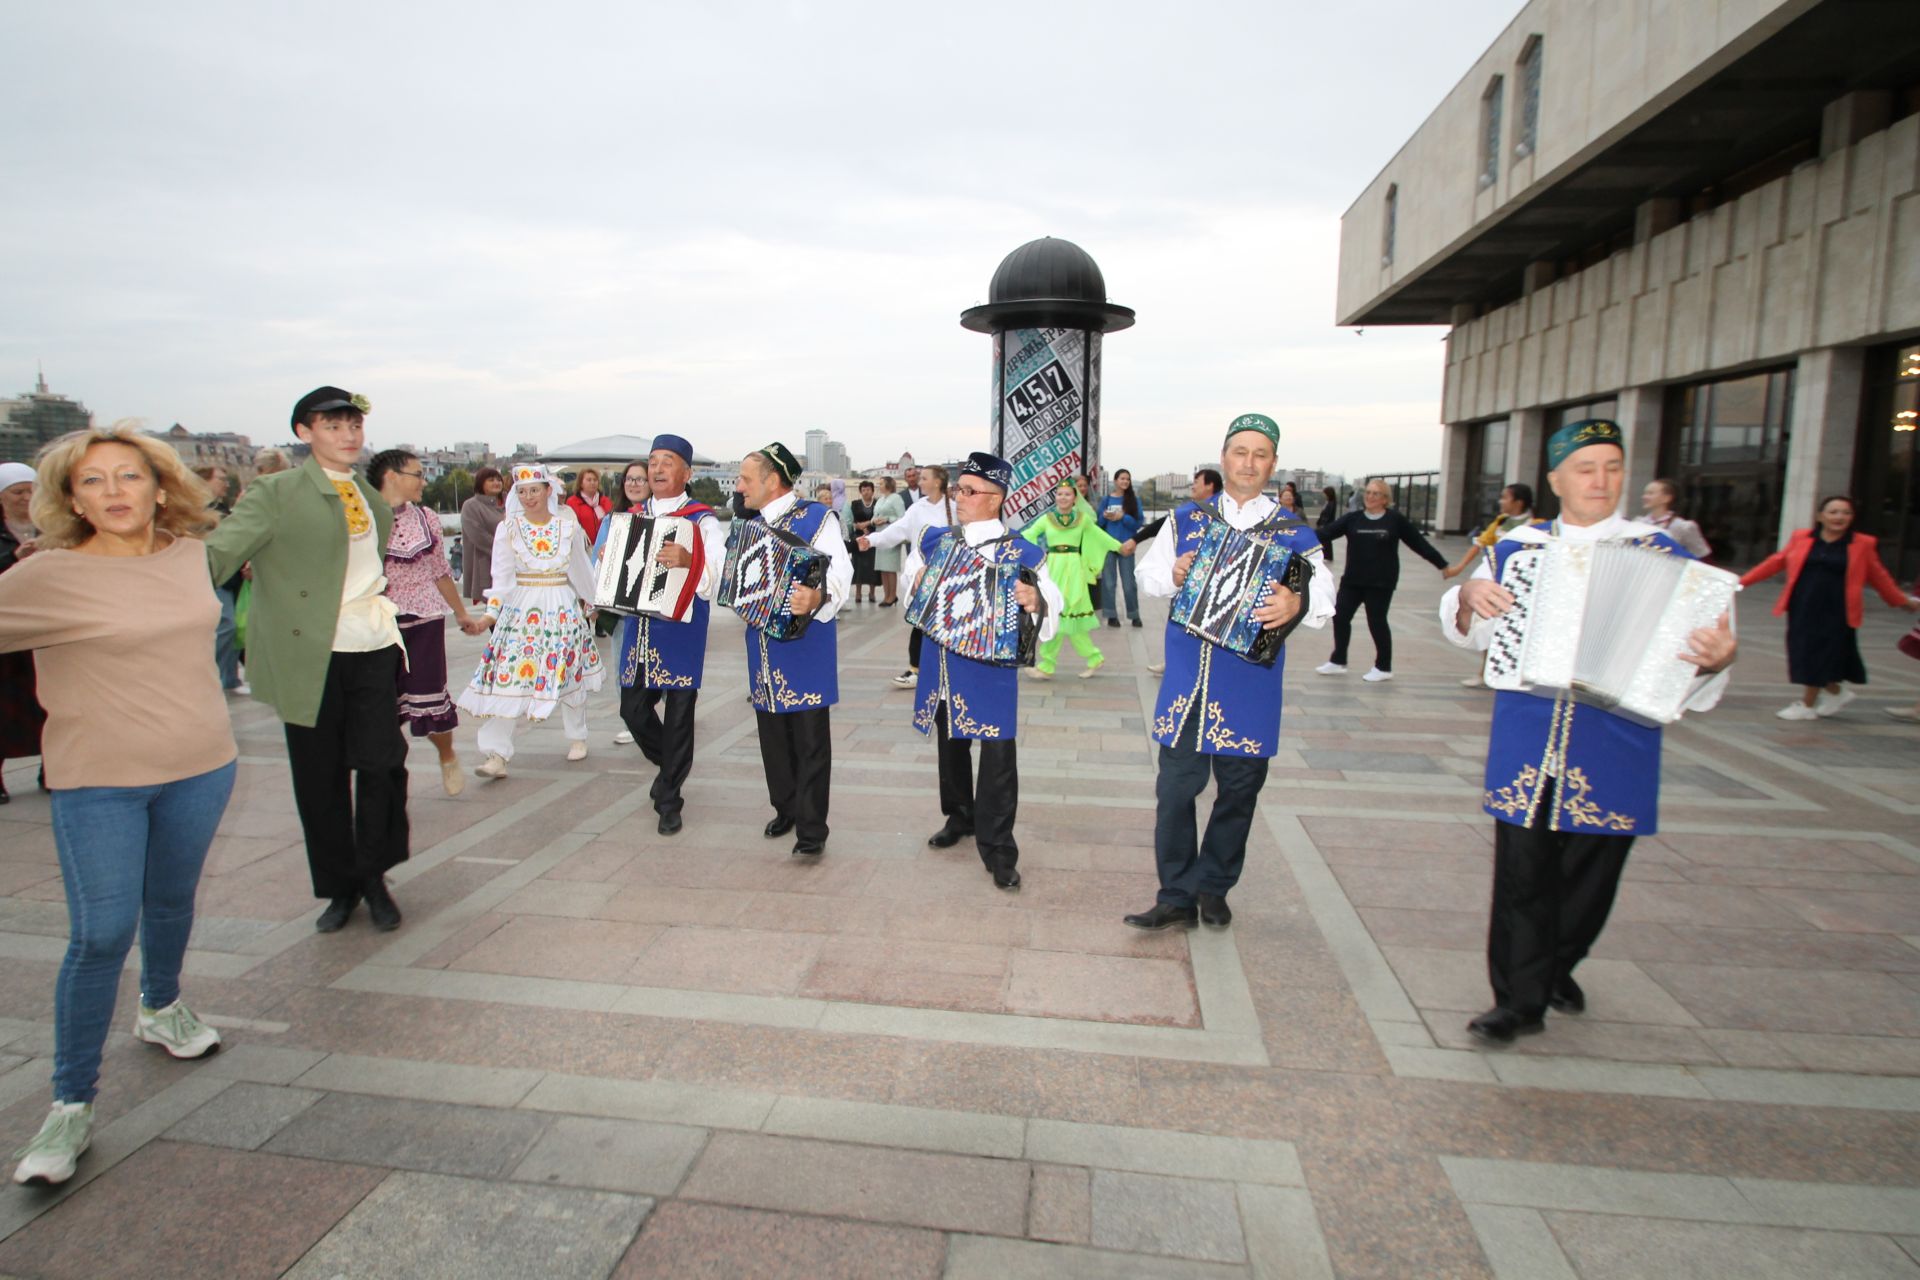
(1234, 572)
(631, 581)
(763, 566)
(1606, 622)
(964, 602)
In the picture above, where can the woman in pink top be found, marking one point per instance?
(420, 584)
(117, 605)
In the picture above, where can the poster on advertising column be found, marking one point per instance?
(1045, 412)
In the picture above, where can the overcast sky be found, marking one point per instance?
(733, 221)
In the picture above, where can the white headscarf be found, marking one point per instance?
(527, 473)
(13, 473)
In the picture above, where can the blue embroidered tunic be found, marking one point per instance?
(1608, 766)
(1237, 702)
(982, 700)
(659, 653)
(784, 676)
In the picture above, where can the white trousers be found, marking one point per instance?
(496, 732)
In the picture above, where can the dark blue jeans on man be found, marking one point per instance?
(1190, 866)
(130, 858)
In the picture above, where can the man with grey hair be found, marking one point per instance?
(1374, 534)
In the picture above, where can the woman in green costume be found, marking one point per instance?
(1076, 553)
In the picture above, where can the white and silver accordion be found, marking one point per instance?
(763, 566)
(631, 581)
(964, 602)
(1234, 572)
(1606, 622)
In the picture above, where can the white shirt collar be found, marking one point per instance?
(1614, 526)
(982, 531)
(779, 506)
(662, 506)
(1243, 517)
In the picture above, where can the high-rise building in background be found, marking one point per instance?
(833, 458)
(31, 420)
(816, 450)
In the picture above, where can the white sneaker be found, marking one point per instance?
(577, 750)
(176, 1030)
(907, 679)
(624, 738)
(451, 779)
(495, 766)
(1797, 711)
(1375, 675)
(1905, 715)
(1331, 669)
(1157, 668)
(1088, 673)
(1829, 703)
(64, 1136)
(242, 690)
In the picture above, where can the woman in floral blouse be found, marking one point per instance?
(420, 584)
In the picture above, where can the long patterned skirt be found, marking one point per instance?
(541, 654)
(425, 705)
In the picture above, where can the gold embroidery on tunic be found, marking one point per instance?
(962, 724)
(1578, 803)
(1516, 796)
(1218, 735)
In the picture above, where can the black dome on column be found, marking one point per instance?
(1047, 283)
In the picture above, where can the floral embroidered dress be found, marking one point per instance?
(540, 653)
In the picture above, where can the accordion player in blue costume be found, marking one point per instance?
(1569, 785)
(961, 700)
(793, 683)
(1218, 713)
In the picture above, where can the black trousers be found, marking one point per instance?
(661, 722)
(987, 810)
(1551, 895)
(1346, 604)
(350, 774)
(797, 750)
(914, 640)
(1188, 865)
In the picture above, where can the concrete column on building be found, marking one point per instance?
(1449, 505)
(1526, 440)
(1639, 415)
(1822, 433)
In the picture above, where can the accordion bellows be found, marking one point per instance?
(631, 581)
(763, 566)
(1233, 573)
(1607, 622)
(964, 603)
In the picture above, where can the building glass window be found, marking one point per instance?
(1486, 471)
(1390, 225)
(1491, 104)
(1545, 505)
(1527, 129)
(1885, 469)
(1726, 452)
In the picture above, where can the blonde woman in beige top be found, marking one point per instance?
(118, 609)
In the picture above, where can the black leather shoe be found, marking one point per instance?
(381, 908)
(778, 827)
(334, 918)
(1214, 910)
(1136, 622)
(1567, 997)
(949, 836)
(1006, 878)
(1500, 1026)
(670, 824)
(805, 848)
(1113, 622)
(1163, 916)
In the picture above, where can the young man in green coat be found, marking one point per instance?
(324, 650)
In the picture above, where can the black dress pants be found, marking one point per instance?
(661, 722)
(987, 810)
(1346, 604)
(797, 750)
(350, 774)
(914, 640)
(1551, 894)
(1188, 865)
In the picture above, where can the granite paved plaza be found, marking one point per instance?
(593, 1051)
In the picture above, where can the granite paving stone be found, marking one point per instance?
(244, 1116)
(422, 1226)
(612, 1155)
(404, 1134)
(718, 1242)
(1183, 1217)
(1613, 1248)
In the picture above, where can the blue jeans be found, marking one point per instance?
(1122, 566)
(128, 856)
(226, 655)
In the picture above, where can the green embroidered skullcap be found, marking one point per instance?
(1562, 444)
(781, 459)
(1254, 422)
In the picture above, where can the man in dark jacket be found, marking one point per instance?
(1374, 534)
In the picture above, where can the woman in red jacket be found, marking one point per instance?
(1828, 568)
(588, 503)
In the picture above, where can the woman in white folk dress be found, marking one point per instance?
(541, 652)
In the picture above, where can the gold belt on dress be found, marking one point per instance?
(540, 580)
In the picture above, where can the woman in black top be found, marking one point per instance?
(860, 521)
(1373, 534)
